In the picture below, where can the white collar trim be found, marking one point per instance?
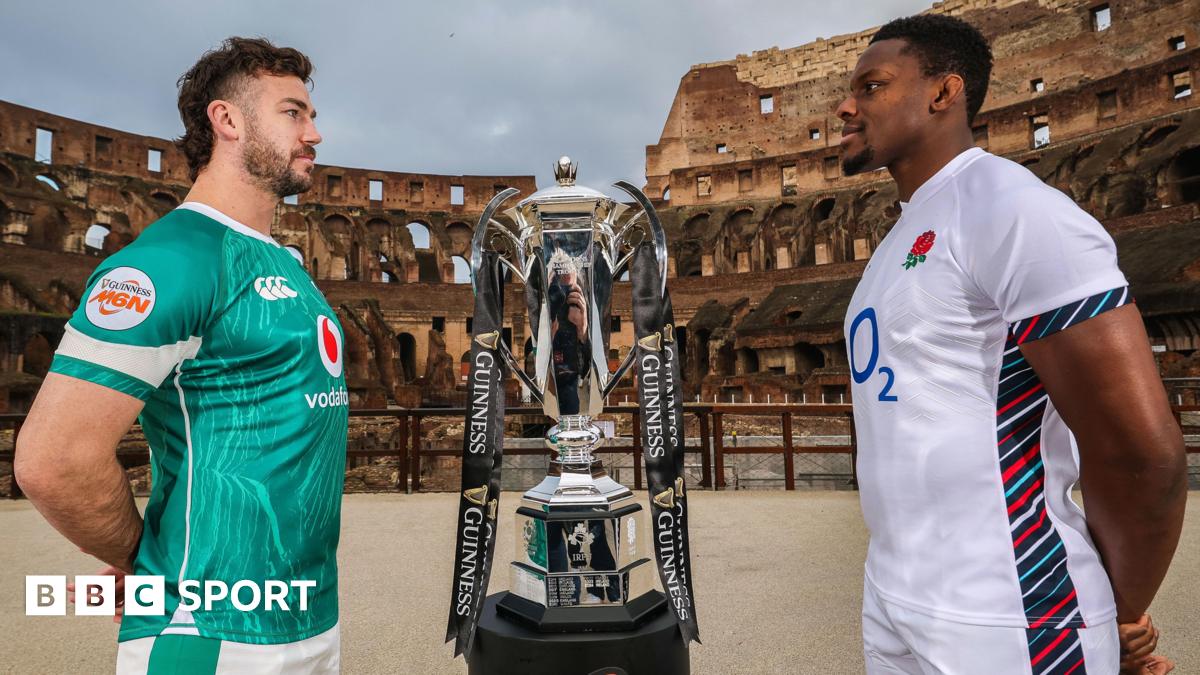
(206, 210)
(951, 169)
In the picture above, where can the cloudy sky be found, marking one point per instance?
(452, 87)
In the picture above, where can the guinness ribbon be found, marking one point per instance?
(483, 450)
(662, 436)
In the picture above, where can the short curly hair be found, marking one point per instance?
(221, 74)
(945, 44)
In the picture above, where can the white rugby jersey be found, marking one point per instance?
(964, 466)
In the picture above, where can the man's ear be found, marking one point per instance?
(950, 89)
(226, 120)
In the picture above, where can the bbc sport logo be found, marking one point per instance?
(96, 595)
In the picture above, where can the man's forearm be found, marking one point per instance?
(1135, 515)
(92, 507)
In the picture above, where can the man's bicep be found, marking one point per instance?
(73, 419)
(1102, 378)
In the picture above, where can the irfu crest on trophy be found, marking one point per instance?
(580, 565)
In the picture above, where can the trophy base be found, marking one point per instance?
(602, 619)
(505, 647)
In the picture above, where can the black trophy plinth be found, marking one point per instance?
(603, 619)
(506, 647)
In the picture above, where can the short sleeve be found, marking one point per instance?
(142, 312)
(1037, 251)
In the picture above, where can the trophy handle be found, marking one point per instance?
(485, 220)
(622, 264)
(511, 360)
(656, 230)
(517, 272)
(619, 373)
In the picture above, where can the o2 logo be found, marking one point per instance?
(863, 374)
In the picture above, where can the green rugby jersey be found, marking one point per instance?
(238, 358)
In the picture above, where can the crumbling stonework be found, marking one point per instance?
(762, 264)
(747, 174)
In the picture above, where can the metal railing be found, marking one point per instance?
(413, 450)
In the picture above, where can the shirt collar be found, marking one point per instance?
(206, 210)
(944, 174)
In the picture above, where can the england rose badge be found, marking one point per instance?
(920, 247)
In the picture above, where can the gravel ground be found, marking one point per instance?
(778, 579)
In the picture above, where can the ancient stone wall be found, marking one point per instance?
(72, 193)
(760, 266)
(761, 125)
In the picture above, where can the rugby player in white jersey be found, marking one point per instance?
(997, 362)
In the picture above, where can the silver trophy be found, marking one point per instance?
(580, 533)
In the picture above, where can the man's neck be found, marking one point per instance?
(911, 172)
(236, 197)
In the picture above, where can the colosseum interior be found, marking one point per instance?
(767, 238)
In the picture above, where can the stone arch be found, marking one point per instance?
(688, 261)
(808, 358)
(747, 361)
(338, 230)
(700, 366)
(823, 208)
(428, 271)
(8, 177)
(419, 234)
(1183, 177)
(165, 199)
(459, 234)
(390, 270)
(50, 229)
(783, 216)
(696, 227)
(381, 229)
(93, 238)
(339, 223)
(36, 357)
(464, 364)
(737, 240)
(462, 270)
(406, 356)
(778, 237)
(1155, 135)
(49, 181)
(529, 358)
(1124, 194)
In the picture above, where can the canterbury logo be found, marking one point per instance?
(273, 288)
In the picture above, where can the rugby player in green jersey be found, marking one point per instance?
(213, 336)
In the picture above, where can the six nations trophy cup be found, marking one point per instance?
(583, 596)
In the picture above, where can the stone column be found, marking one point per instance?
(17, 227)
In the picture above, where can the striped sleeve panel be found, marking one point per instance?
(1049, 323)
(1047, 590)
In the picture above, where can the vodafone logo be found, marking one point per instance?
(329, 345)
(122, 299)
(273, 288)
